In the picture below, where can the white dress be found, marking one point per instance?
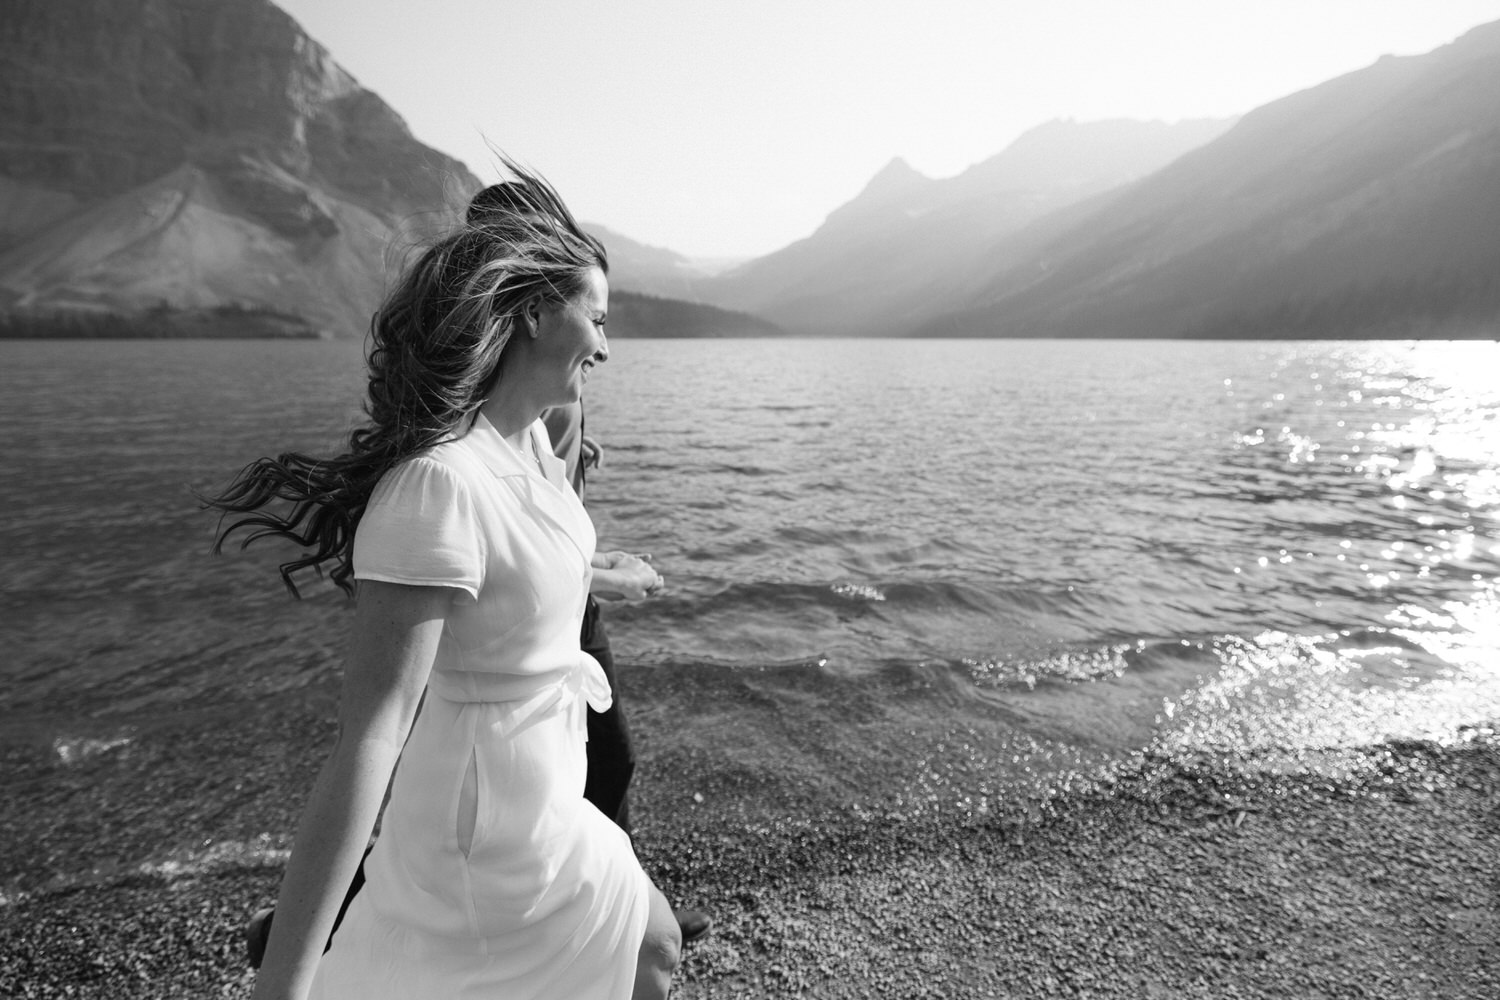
(492, 875)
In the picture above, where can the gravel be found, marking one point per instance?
(129, 869)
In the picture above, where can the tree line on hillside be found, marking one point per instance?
(632, 314)
(1447, 304)
(225, 322)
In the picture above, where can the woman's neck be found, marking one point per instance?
(510, 415)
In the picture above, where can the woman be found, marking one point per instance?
(492, 875)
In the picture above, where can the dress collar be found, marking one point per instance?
(502, 459)
(550, 494)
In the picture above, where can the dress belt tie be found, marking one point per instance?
(584, 686)
(587, 687)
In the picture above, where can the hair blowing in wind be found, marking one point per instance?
(436, 347)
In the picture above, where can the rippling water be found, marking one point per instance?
(1101, 544)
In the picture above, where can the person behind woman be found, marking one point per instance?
(492, 876)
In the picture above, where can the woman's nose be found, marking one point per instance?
(602, 354)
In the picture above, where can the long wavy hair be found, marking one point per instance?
(436, 348)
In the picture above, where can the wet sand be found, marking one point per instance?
(129, 871)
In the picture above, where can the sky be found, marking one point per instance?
(730, 129)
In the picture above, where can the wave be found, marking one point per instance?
(762, 604)
(1270, 691)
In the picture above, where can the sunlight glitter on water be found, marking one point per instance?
(1430, 676)
(1435, 667)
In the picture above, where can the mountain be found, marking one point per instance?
(1367, 206)
(200, 159)
(879, 261)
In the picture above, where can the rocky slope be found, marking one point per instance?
(196, 155)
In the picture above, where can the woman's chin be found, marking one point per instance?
(571, 394)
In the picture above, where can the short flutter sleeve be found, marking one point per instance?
(420, 527)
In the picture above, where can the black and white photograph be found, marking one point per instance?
(839, 499)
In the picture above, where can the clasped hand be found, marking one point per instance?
(621, 576)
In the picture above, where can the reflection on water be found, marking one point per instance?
(1380, 465)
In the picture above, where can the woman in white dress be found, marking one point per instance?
(492, 876)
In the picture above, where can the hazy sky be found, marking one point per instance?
(722, 128)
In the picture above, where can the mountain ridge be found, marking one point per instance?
(1364, 203)
(214, 171)
(906, 238)
(211, 158)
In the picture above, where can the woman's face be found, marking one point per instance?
(570, 340)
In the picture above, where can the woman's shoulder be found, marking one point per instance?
(463, 452)
(435, 471)
(456, 453)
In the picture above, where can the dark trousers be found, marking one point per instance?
(610, 753)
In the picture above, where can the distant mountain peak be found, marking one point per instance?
(894, 179)
(898, 171)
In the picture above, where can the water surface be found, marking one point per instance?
(1097, 546)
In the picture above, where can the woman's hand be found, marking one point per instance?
(620, 576)
(590, 453)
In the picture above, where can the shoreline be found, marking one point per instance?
(1210, 876)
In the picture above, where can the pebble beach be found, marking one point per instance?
(133, 861)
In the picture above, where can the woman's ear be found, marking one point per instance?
(532, 315)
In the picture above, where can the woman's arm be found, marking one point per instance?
(396, 631)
